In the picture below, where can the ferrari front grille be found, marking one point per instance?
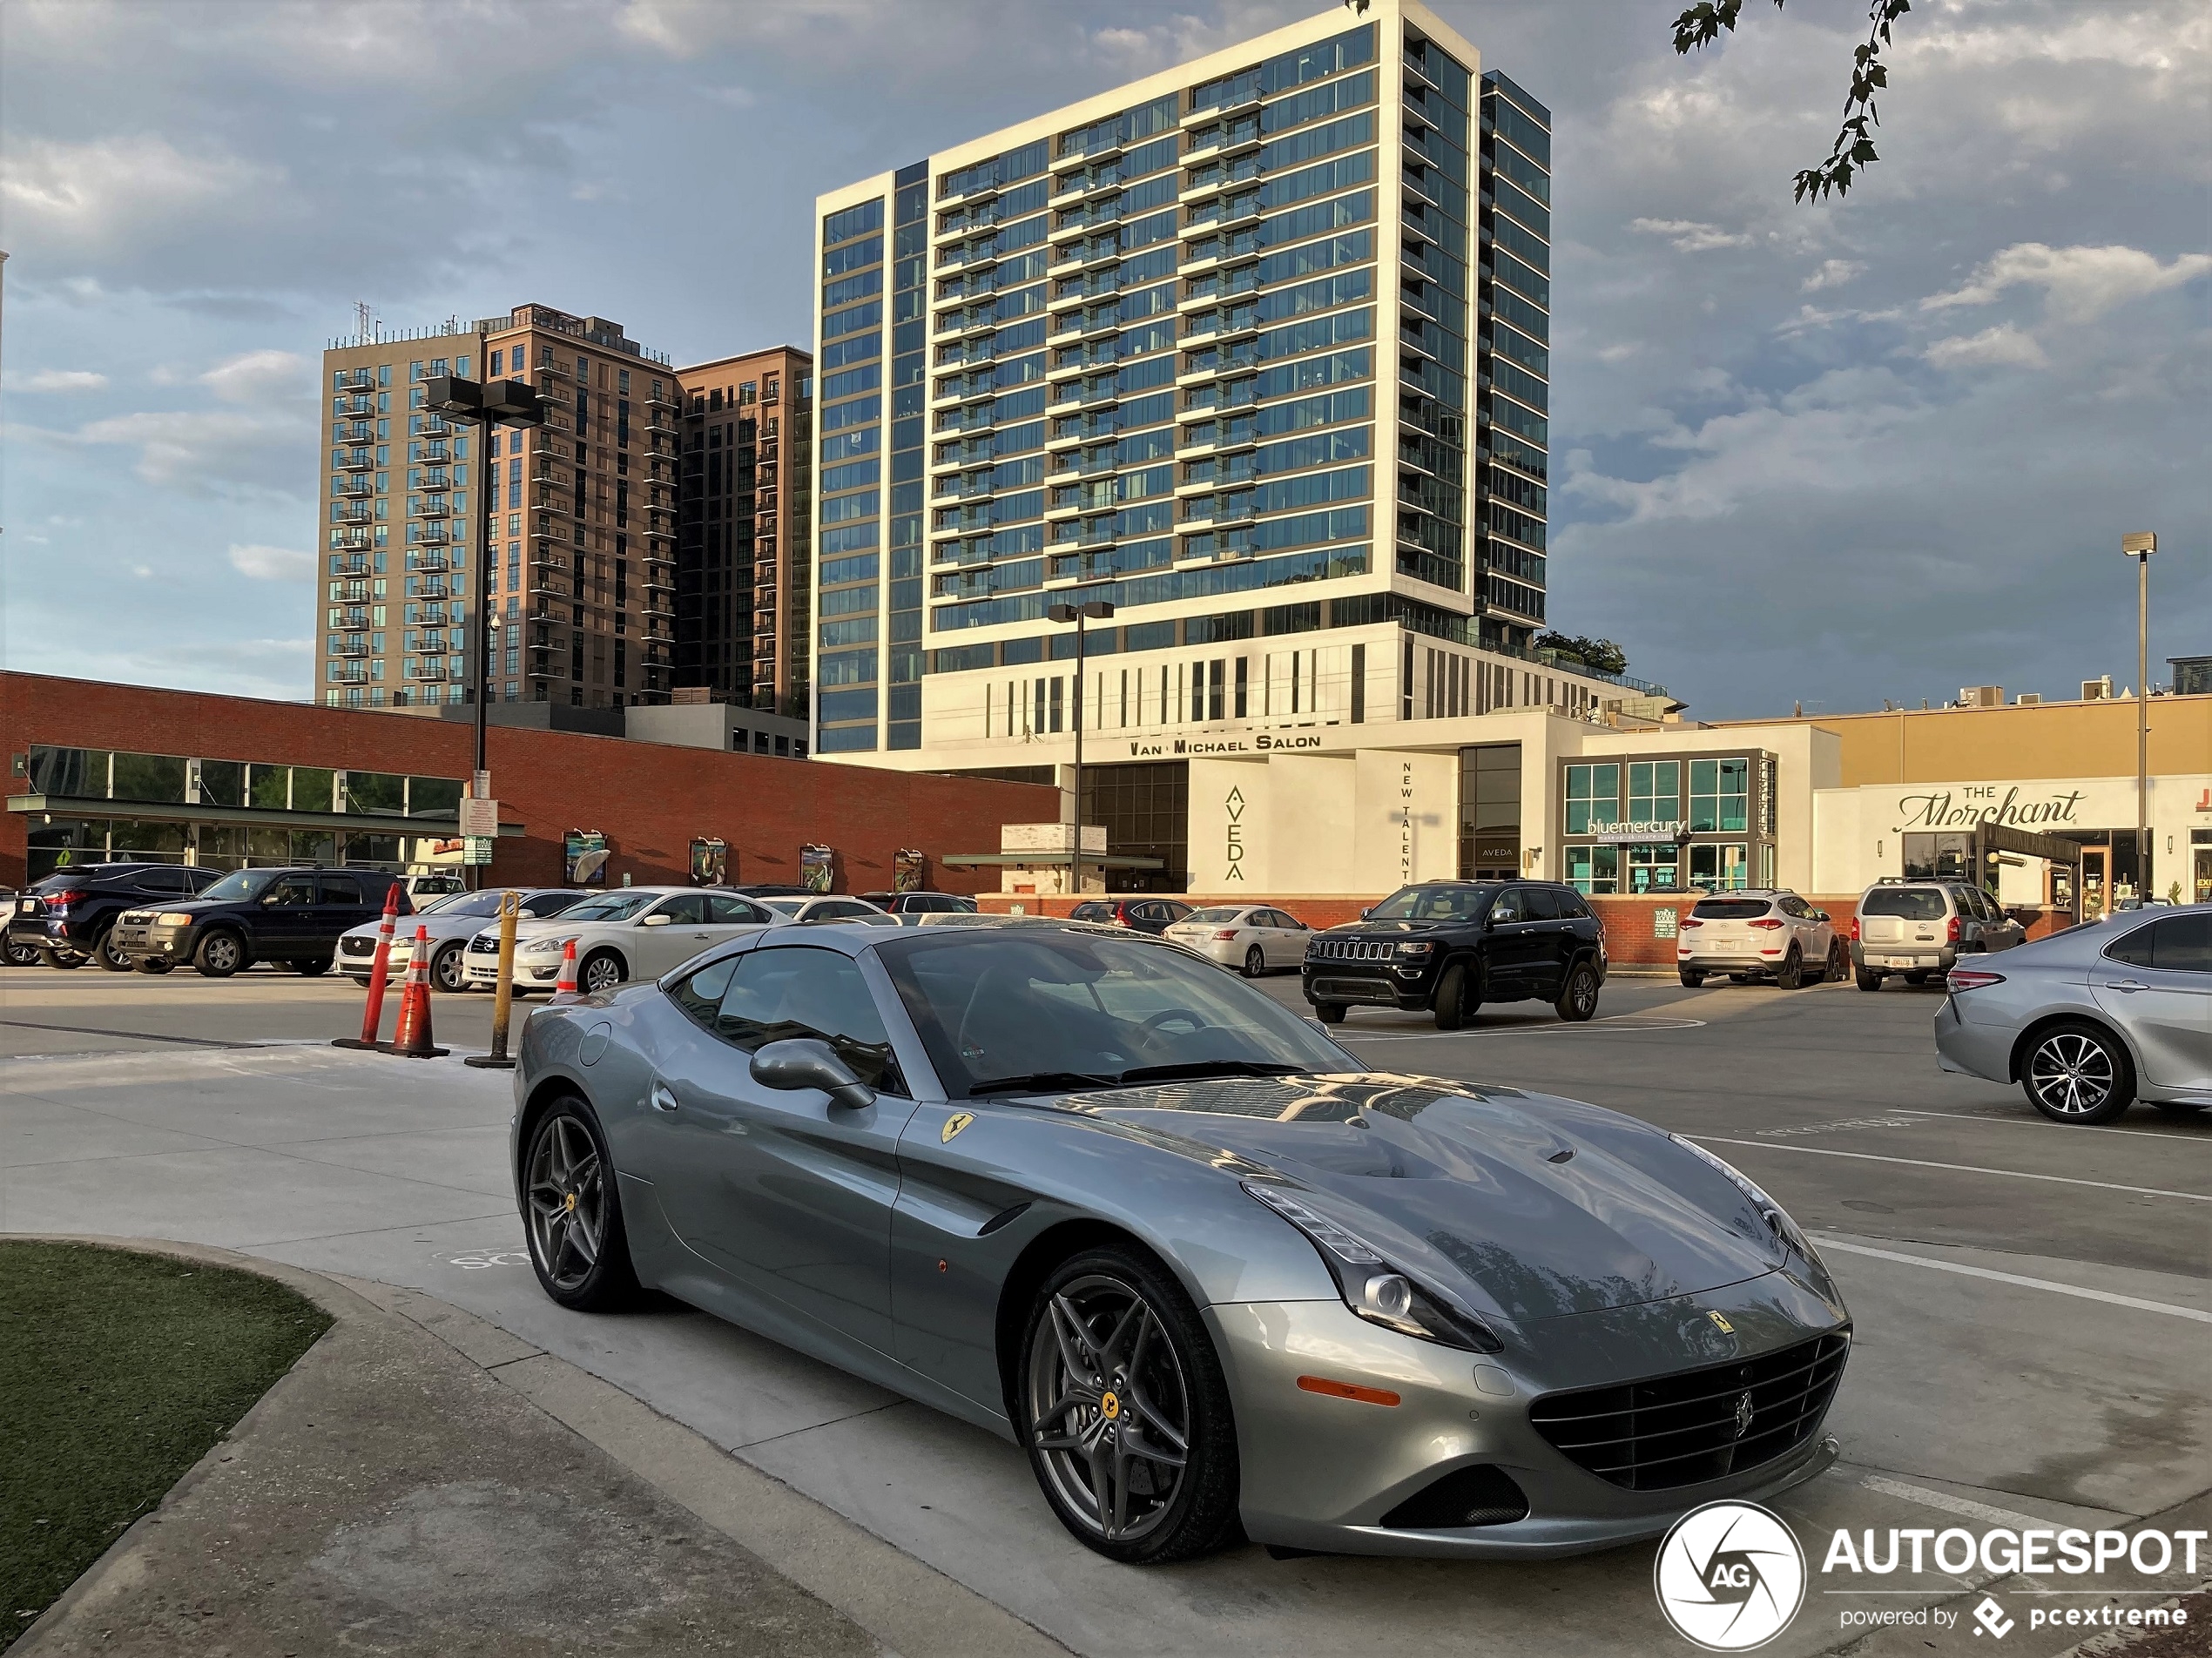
(1696, 1425)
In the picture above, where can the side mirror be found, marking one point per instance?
(1820, 915)
(656, 919)
(1364, 914)
(809, 1062)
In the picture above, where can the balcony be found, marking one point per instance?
(353, 432)
(545, 502)
(657, 534)
(355, 460)
(356, 674)
(1220, 327)
(352, 379)
(1086, 256)
(350, 541)
(352, 646)
(1210, 398)
(428, 559)
(355, 515)
(1214, 252)
(1215, 361)
(353, 407)
(352, 489)
(1235, 98)
(429, 507)
(977, 487)
(355, 565)
(430, 671)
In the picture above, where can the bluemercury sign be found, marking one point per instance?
(1978, 803)
(1623, 833)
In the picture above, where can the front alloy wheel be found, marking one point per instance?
(573, 1213)
(1125, 1412)
(107, 950)
(2076, 1072)
(601, 971)
(219, 955)
(448, 970)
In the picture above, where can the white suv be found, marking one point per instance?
(1920, 928)
(1758, 934)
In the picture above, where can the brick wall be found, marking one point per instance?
(648, 799)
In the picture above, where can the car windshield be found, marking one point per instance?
(1731, 909)
(1222, 914)
(1909, 903)
(469, 904)
(614, 906)
(1431, 904)
(999, 1009)
(785, 906)
(239, 885)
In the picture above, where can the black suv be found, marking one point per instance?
(1450, 946)
(69, 918)
(290, 915)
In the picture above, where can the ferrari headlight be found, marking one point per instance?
(173, 918)
(1372, 1288)
(1772, 1213)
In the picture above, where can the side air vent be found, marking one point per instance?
(1481, 1495)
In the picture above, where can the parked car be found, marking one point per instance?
(1758, 934)
(1107, 1202)
(1153, 915)
(451, 922)
(770, 889)
(828, 906)
(17, 953)
(423, 888)
(69, 918)
(295, 916)
(1252, 938)
(1448, 946)
(910, 907)
(2091, 1019)
(1921, 927)
(630, 933)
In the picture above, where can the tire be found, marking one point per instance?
(63, 960)
(359, 979)
(1839, 964)
(152, 966)
(1577, 1002)
(220, 955)
(1329, 1013)
(1791, 974)
(314, 969)
(449, 969)
(572, 1211)
(2077, 1072)
(107, 955)
(1691, 978)
(1113, 1368)
(1867, 981)
(1451, 1003)
(1255, 963)
(601, 970)
(22, 955)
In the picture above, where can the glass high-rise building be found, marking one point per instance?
(1256, 348)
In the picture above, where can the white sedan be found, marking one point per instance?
(630, 933)
(829, 907)
(451, 920)
(1250, 938)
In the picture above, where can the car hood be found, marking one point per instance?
(441, 927)
(1393, 929)
(190, 906)
(1526, 1206)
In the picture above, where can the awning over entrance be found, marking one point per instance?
(62, 805)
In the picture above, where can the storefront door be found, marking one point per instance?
(2092, 883)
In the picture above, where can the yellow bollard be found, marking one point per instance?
(503, 1006)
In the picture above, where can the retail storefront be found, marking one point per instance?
(1703, 820)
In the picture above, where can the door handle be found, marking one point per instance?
(2129, 985)
(664, 1097)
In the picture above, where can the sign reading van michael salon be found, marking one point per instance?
(1969, 804)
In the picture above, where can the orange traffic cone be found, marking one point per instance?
(412, 1037)
(565, 986)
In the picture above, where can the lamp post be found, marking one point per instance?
(486, 405)
(2138, 546)
(1092, 611)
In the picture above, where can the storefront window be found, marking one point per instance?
(1941, 856)
(1593, 869)
(1593, 793)
(1716, 869)
(1654, 792)
(1654, 869)
(1720, 796)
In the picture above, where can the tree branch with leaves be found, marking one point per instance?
(1854, 147)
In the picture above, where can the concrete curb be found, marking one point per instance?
(912, 1609)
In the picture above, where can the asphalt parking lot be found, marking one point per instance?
(2033, 1303)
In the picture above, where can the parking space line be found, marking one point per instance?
(1965, 1507)
(2054, 1287)
(2027, 1122)
(1956, 1167)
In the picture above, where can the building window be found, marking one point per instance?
(1593, 869)
(1720, 796)
(1717, 868)
(1654, 791)
(1593, 796)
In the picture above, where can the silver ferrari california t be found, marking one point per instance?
(1111, 1202)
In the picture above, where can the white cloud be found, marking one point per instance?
(258, 377)
(1833, 273)
(99, 196)
(2079, 284)
(2003, 345)
(205, 453)
(58, 380)
(265, 563)
(1690, 235)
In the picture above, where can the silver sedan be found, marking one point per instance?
(2093, 1019)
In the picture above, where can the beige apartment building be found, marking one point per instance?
(582, 552)
(744, 572)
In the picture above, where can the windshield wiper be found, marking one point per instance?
(1204, 1068)
(1041, 1081)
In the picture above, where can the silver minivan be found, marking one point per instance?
(1920, 928)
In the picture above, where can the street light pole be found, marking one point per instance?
(1097, 610)
(2140, 545)
(486, 405)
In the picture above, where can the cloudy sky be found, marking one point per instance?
(1878, 448)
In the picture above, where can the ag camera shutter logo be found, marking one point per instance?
(1729, 1576)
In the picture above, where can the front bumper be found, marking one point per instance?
(531, 973)
(141, 942)
(1321, 1472)
(1408, 986)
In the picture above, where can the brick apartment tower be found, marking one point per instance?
(743, 574)
(582, 549)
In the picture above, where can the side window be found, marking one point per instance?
(700, 996)
(294, 891)
(1507, 906)
(2135, 948)
(775, 995)
(2184, 944)
(686, 909)
(545, 904)
(167, 880)
(1571, 905)
(728, 911)
(341, 889)
(1539, 904)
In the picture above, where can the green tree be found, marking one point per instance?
(1853, 150)
(1603, 655)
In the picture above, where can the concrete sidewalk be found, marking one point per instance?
(404, 1491)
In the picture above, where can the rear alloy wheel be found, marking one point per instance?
(1867, 981)
(449, 969)
(573, 1212)
(1255, 962)
(1791, 972)
(22, 955)
(2076, 1072)
(64, 960)
(601, 970)
(109, 954)
(1691, 978)
(1125, 1412)
(1577, 1002)
(1329, 1013)
(1451, 1003)
(219, 955)
(1838, 963)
